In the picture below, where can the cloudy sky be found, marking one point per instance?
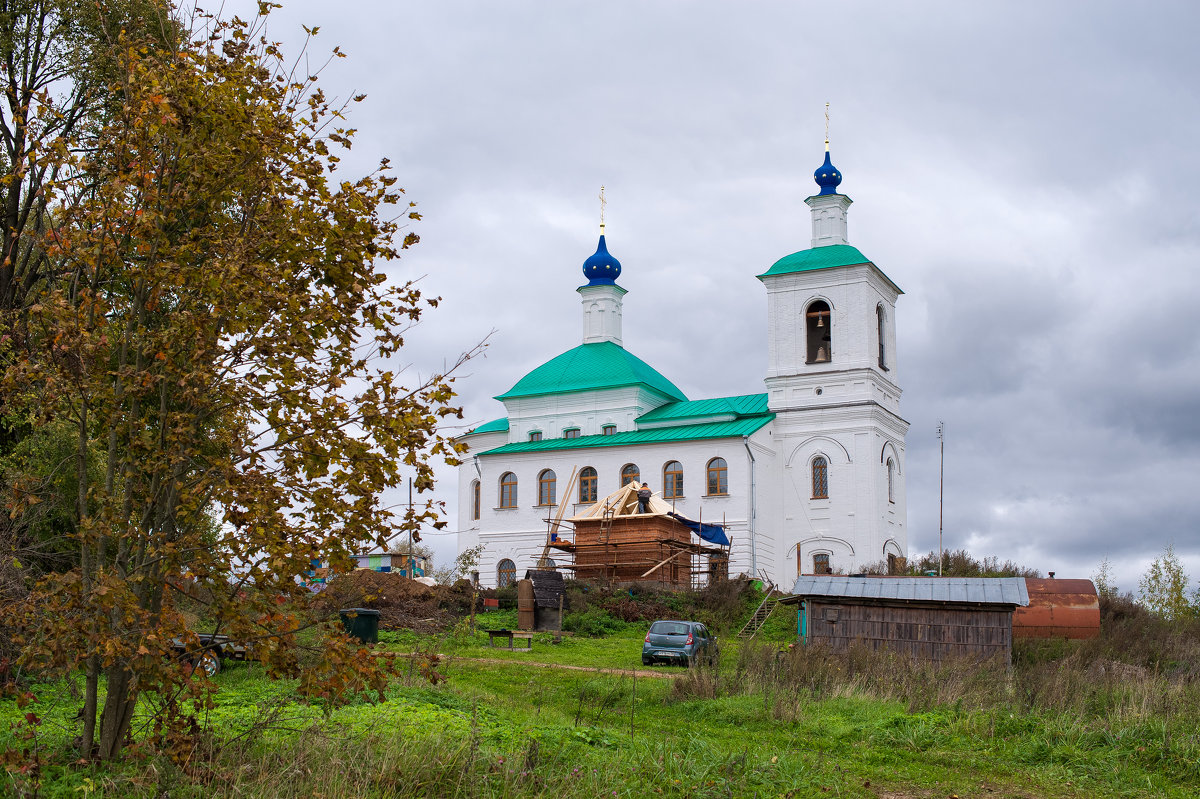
(1028, 173)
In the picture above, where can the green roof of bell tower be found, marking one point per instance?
(829, 256)
(591, 367)
(817, 258)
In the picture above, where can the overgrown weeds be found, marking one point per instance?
(1065, 696)
(600, 610)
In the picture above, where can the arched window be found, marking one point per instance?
(587, 484)
(506, 573)
(821, 563)
(879, 326)
(630, 474)
(718, 477)
(547, 563)
(535, 435)
(673, 480)
(475, 499)
(820, 478)
(546, 487)
(818, 333)
(508, 490)
(891, 467)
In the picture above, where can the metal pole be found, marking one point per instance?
(941, 434)
(411, 571)
(753, 510)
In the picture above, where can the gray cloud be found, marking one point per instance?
(1027, 172)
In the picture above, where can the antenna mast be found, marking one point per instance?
(941, 434)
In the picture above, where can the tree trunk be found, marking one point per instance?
(119, 703)
(87, 742)
(87, 568)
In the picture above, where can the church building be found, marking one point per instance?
(806, 478)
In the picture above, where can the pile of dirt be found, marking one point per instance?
(403, 604)
(722, 605)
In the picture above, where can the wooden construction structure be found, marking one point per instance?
(615, 543)
(1067, 608)
(929, 618)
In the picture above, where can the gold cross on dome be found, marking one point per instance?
(826, 126)
(603, 202)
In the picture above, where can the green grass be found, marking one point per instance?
(760, 724)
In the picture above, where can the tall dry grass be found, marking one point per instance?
(1134, 690)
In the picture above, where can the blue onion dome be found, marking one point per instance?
(827, 177)
(601, 268)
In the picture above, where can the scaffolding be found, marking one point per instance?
(614, 543)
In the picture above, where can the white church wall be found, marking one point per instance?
(589, 411)
(519, 533)
(856, 519)
(852, 373)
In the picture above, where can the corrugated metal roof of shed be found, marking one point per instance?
(985, 590)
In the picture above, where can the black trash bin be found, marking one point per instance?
(362, 623)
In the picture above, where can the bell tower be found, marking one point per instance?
(832, 381)
(830, 315)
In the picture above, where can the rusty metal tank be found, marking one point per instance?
(526, 605)
(1058, 609)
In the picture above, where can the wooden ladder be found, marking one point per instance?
(606, 523)
(769, 603)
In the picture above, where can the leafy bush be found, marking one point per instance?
(594, 623)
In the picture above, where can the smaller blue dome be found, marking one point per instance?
(827, 177)
(601, 268)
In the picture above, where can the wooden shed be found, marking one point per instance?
(931, 618)
(540, 598)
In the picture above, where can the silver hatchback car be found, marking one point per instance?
(679, 642)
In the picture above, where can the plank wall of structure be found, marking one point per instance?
(624, 548)
(928, 631)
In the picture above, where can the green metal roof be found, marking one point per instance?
(589, 367)
(817, 258)
(691, 432)
(749, 404)
(494, 426)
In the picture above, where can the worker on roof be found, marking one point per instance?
(643, 496)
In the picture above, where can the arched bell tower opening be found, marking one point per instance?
(881, 336)
(818, 325)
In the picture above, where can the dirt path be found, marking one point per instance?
(595, 669)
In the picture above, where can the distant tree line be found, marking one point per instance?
(1162, 590)
(956, 563)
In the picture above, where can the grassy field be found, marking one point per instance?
(762, 723)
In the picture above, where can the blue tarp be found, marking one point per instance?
(713, 533)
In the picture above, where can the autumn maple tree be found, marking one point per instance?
(217, 335)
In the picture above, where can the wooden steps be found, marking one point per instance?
(761, 614)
